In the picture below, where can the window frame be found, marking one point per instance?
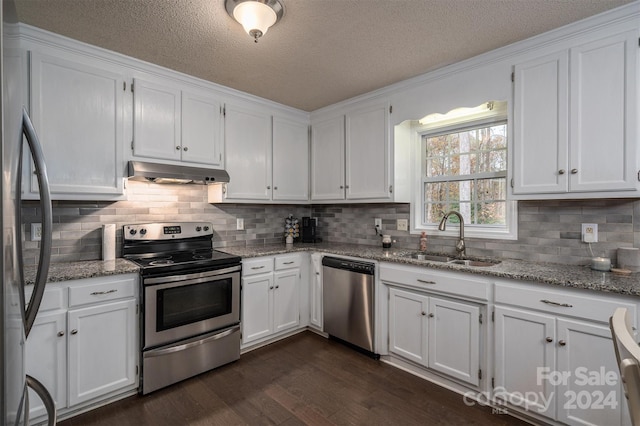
(509, 231)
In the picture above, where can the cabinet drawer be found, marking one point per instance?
(288, 262)
(257, 266)
(52, 300)
(93, 292)
(429, 280)
(562, 302)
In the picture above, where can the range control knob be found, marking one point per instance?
(133, 232)
(198, 228)
(143, 231)
(206, 228)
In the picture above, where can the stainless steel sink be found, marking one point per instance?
(429, 257)
(476, 263)
(447, 259)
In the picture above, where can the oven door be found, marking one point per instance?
(181, 306)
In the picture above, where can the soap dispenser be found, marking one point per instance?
(423, 241)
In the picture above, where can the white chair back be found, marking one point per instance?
(628, 357)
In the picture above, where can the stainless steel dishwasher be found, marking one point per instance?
(348, 301)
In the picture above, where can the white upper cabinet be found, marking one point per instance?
(176, 125)
(351, 156)
(248, 153)
(575, 121)
(77, 111)
(327, 159)
(267, 156)
(156, 120)
(290, 160)
(201, 129)
(368, 153)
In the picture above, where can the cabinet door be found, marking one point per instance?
(257, 307)
(587, 358)
(201, 129)
(77, 111)
(156, 121)
(408, 331)
(290, 160)
(604, 114)
(102, 349)
(286, 300)
(368, 153)
(454, 339)
(315, 292)
(540, 130)
(47, 359)
(524, 346)
(327, 159)
(248, 153)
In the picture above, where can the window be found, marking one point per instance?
(464, 168)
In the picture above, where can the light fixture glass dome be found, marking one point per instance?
(256, 16)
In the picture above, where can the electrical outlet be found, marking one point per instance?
(36, 231)
(239, 224)
(590, 232)
(402, 225)
(377, 222)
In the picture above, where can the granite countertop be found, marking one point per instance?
(67, 271)
(550, 273)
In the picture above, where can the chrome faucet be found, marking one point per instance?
(460, 247)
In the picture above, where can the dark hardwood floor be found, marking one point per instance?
(302, 380)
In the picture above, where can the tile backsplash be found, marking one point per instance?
(548, 231)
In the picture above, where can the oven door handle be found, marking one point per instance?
(200, 340)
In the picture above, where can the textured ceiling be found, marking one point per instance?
(321, 52)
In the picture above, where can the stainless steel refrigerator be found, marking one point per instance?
(17, 314)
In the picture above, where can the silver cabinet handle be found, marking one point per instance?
(287, 263)
(574, 171)
(341, 187)
(562, 343)
(178, 148)
(186, 148)
(549, 302)
(257, 267)
(271, 288)
(60, 333)
(561, 171)
(426, 282)
(423, 313)
(74, 331)
(346, 186)
(277, 286)
(549, 339)
(431, 315)
(275, 188)
(97, 293)
(268, 186)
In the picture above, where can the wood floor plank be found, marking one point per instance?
(302, 380)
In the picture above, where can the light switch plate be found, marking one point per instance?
(402, 224)
(239, 224)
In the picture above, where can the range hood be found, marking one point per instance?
(169, 173)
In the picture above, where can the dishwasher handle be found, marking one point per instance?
(365, 268)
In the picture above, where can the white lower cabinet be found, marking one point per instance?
(101, 349)
(437, 333)
(270, 296)
(83, 346)
(554, 356)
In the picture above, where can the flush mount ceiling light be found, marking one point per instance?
(256, 16)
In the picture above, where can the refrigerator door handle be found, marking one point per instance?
(45, 396)
(47, 221)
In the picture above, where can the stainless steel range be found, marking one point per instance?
(190, 316)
